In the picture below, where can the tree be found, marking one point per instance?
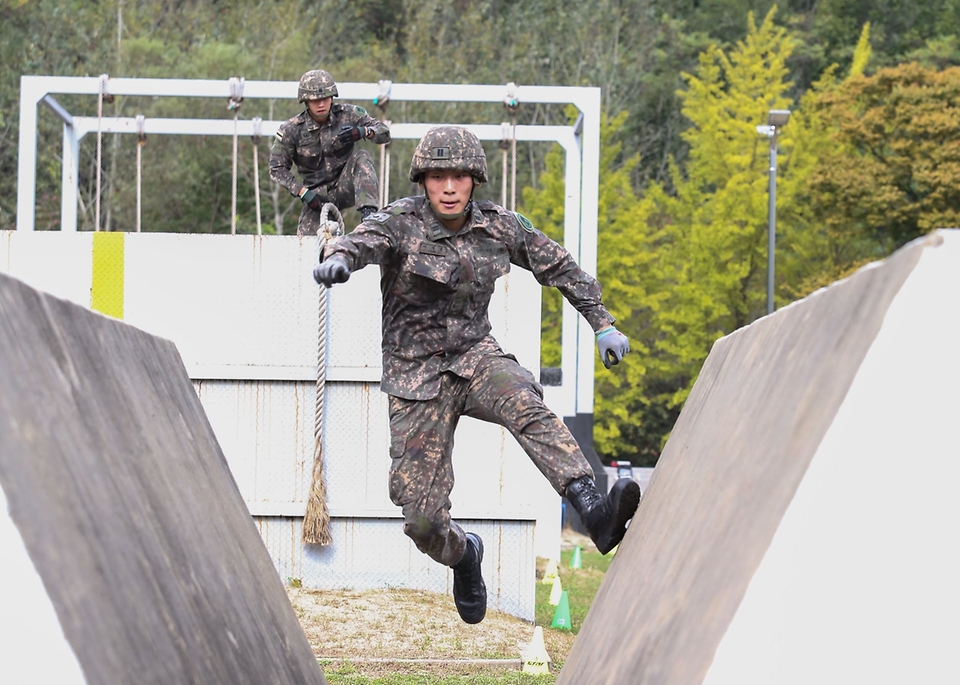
(813, 252)
(896, 173)
(712, 232)
(624, 268)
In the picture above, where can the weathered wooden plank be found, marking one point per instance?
(763, 402)
(127, 507)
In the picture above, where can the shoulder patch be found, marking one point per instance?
(405, 205)
(360, 110)
(378, 217)
(525, 223)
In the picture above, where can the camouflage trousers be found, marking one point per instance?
(357, 186)
(421, 446)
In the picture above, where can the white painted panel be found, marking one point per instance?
(243, 313)
(353, 317)
(265, 429)
(58, 263)
(859, 584)
(356, 447)
(225, 300)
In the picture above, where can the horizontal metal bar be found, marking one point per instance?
(299, 509)
(225, 127)
(413, 92)
(228, 372)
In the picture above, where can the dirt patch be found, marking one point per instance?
(395, 630)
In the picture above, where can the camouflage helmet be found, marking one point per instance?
(449, 147)
(316, 85)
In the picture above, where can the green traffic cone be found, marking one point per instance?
(575, 560)
(561, 617)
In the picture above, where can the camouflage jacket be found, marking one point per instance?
(436, 286)
(314, 148)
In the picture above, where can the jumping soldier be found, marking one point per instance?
(321, 142)
(440, 256)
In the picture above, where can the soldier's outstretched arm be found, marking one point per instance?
(372, 242)
(380, 132)
(553, 266)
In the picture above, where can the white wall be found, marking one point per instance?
(243, 313)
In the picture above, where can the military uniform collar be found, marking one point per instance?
(437, 231)
(312, 124)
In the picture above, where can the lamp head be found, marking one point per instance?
(778, 117)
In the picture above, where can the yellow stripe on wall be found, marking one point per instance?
(106, 291)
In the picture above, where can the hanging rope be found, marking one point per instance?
(316, 521)
(512, 105)
(101, 96)
(236, 99)
(141, 139)
(504, 146)
(257, 129)
(385, 172)
(381, 101)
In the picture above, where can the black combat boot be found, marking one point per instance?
(469, 591)
(366, 212)
(605, 518)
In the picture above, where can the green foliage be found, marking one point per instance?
(712, 232)
(810, 253)
(895, 175)
(867, 161)
(624, 269)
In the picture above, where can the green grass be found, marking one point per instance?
(581, 586)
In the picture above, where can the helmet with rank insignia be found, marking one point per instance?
(316, 85)
(449, 147)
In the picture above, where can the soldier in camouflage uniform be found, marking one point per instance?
(440, 256)
(321, 142)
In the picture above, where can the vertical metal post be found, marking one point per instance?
(772, 230)
(777, 118)
(70, 171)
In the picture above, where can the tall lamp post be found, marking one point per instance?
(776, 120)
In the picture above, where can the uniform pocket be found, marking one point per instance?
(488, 271)
(425, 277)
(309, 156)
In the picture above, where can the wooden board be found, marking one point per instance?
(763, 402)
(128, 510)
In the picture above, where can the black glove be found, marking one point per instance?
(331, 270)
(351, 134)
(612, 345)
(312, 200)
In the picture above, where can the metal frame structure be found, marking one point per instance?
(581, 143)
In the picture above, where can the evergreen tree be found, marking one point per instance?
(712, 233)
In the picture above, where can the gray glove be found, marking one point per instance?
(612, 345)
(331, 270)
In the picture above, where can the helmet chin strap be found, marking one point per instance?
(451, 217)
